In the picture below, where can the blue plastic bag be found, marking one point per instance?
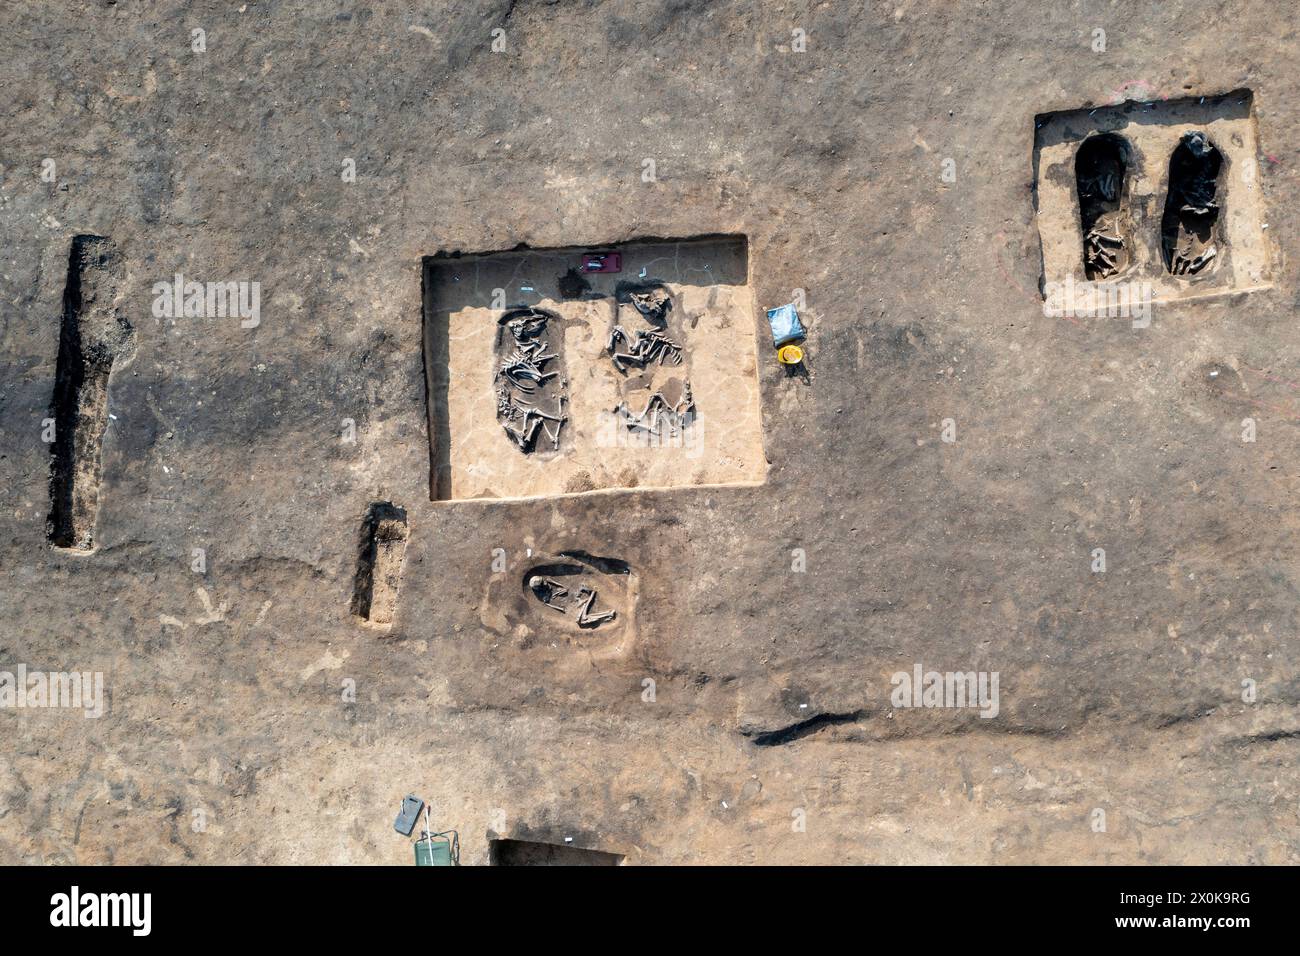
(785, 324)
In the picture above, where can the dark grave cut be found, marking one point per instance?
(381, 548)
(530, 383)
(1190, 222)
(1100, 169)
(93, 336)
(533, 853)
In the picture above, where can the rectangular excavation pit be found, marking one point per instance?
(1106, 213)
(528, 853)
(568, 370)
(92, 337)
(381, 548)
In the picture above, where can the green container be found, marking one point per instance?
(435, 852)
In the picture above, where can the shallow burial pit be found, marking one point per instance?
(562, 611)
(570, 370)
(1191, 214)
(93, 337)
(580, 591)
(531, 388)
(1100, 167)
(649, 347)
(381, 548)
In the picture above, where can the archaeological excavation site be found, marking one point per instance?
(679, 432)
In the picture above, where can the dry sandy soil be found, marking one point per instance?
(877, 156)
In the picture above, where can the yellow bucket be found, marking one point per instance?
(789, 355)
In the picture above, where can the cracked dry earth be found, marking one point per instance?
(214, 566)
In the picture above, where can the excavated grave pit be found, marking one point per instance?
(381, 549)
(547, 377)
(565, 609)
(1115, 172)
(93, 336)
(532, 853)
(1189, 228)
(1100, 169)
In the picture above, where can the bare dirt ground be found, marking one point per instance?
(878, 157)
